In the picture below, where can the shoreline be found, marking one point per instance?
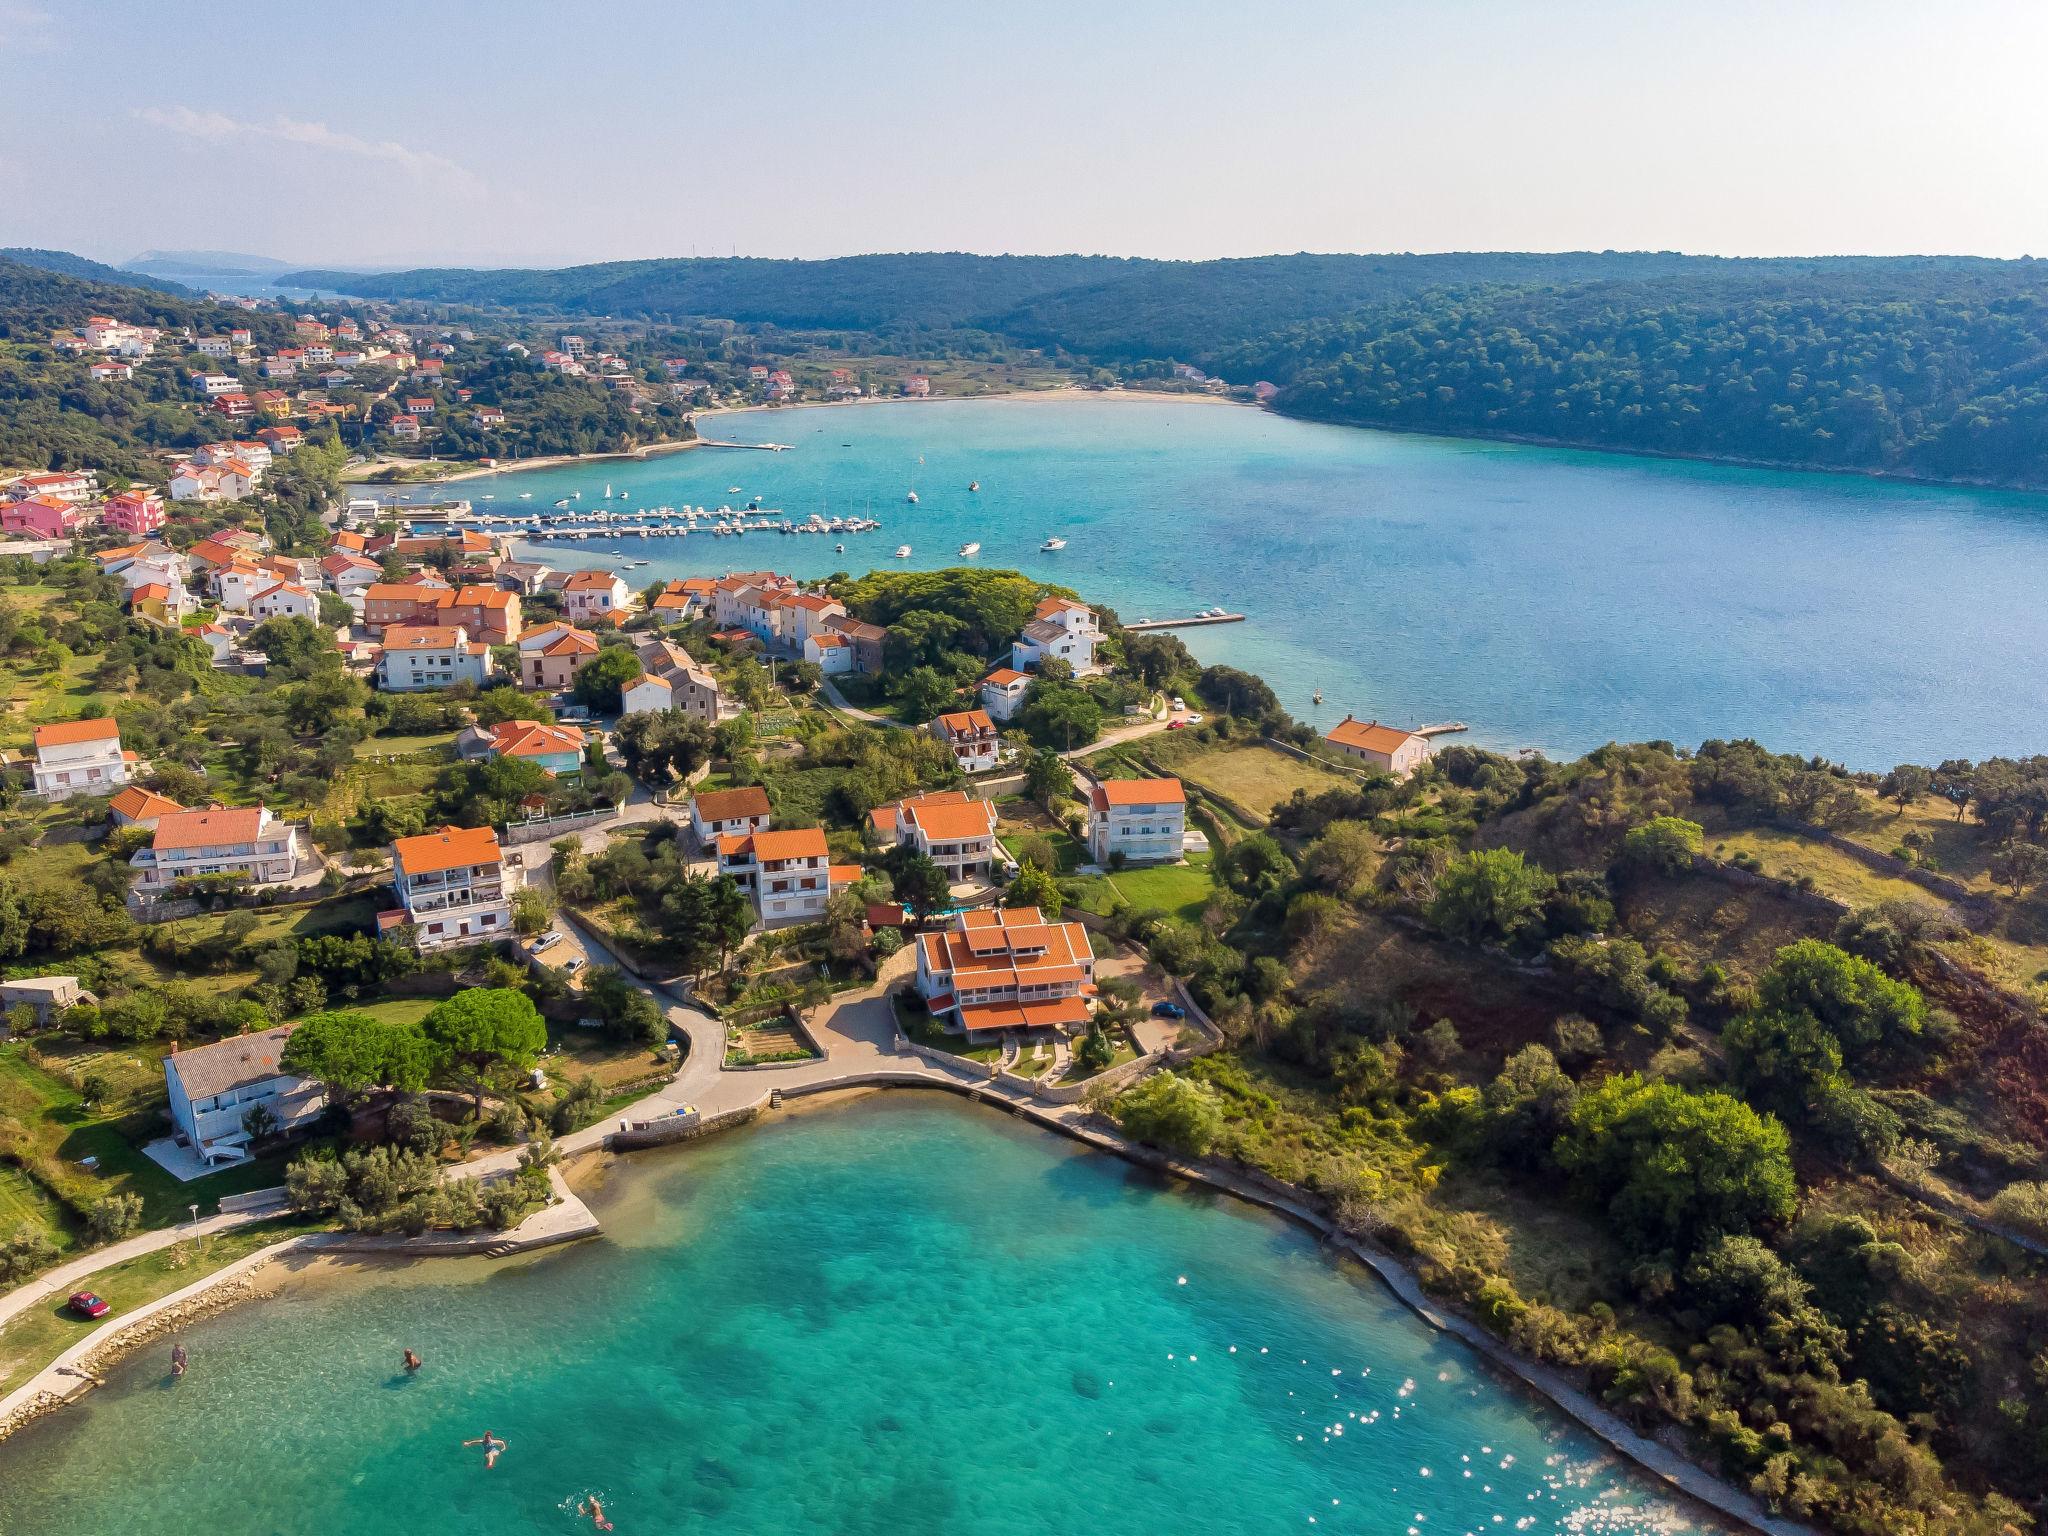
(1677, 1476)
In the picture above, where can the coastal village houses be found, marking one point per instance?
(139, 807)
(671, 679)
(436, 656)
(214, 1088)
(246, 843)
(595, 595)
(866, 639)
(971, 736)
(1063, 628)
(1384, 747)
(954, 831)
(80, 757)
(790, 875)
(556, 748)
(1002, 968)
(454, 887)
(1144, 820)
(1002, 692)
(717, 813)
(550, 655)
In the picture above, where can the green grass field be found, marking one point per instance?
(1180, 889)
(1259, 778)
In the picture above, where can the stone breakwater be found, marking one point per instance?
(229, 1288)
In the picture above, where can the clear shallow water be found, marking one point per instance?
(1549, 598)
(899, 1317)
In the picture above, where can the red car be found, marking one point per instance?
(1177, 725)
(86, 1304)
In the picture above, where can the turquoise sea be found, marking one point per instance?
(896, 1317)
(1549, 598)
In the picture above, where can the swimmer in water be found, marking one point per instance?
(412, 1361)
(492, 1445)
(177, 1359)
(594, 1508)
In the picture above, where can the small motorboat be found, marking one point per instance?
(1317, 697)
(526, 495)
(968, 551)
(732, 490)
(1054, 544)
(902, 551)
(911, 498)
(974, 485)
(840, 548)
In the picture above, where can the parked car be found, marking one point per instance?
(1179, 703)
(572, 965)
(546, 941)
(1166, 1010)
(1177, 725)
(1194, 719)
(88, 1304)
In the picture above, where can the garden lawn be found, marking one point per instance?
(1258, 778)
(1182, 890)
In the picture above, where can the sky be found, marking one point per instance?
(505, 132)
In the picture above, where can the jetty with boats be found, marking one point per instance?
(1207, 616)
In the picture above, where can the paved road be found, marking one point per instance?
(66, 1278)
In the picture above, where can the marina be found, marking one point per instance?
(1215, 616)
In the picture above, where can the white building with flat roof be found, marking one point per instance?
(80, 757)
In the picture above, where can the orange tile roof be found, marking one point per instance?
(149, 591)
(530, 738)
(1138, 792)
(731, 804)
(1006, 677)
(590, 581)
(967, 722)
(139, 804)
(399, 591)
(1064, 1010)
(70, 733)
(424, 637)
(795, 843)
(949, 823)
(217, 826)
(449, 848)
(1367, 736)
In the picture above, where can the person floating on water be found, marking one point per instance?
(412, 1362)
(178, 1359)
(594, 1508)
(492, 1445)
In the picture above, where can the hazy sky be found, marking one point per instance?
(502, 131)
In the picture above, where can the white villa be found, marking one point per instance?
(417, 657)
(789, 874)
(972, 736)
(671, 679)
(595, 595)
(1145, 820)
(214, 1087)
(722, 813)
(1002, 692)
(1385, 747)
(454, 886)
(955, 832)
(1007, 968)
(80, 757)
(1062, 628)
(247, 841)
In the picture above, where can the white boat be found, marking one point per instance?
(902, 551)
(526, 495)
(1054, 544)
(732, 490)
(974, 485)
(968, 551)
(840, 549)
(607, 490)
(911, 498)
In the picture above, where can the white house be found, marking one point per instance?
(139, 807)
(247, 842)
(1007, 968)
(671, 679)
(789, 874)
(972, 737)
(1062, 628)
(955, 832)
(416, 657)
(1002, 692)
(215, 1088)
(454, 887)
(721, 813)
(1384, 747)
(80, 757)
(1145, 820)
(285, 600)
(595, 595)
(48, 995)
(832, 653)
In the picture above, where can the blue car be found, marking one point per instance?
(1165, 1010)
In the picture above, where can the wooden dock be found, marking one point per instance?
(713, 442)
(1201, 618)
(1448, 728)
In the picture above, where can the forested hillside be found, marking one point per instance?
(71, 265)
(1943, 378)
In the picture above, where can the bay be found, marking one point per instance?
(897, 1316)
(1551, 599)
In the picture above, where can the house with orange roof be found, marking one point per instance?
(550, 655)
(282, 439)
(671, 679)
(454, 886)
(1002, 692)
(1004, 968)
(134, 514)
(866, 639)
(1137, 821)
(285, 600)
(42, 517)
(830, 652)
(789, 874)
(139, 807)
(400, 602)
(80, 757)
(682, 600)
(491, 614)
(592, 595)
(1385, 747)
(949, 827)
(244, 842)
(76, 486)
(557, 748)
(348, 542)
(1061, 628)
(971, 736)
(418, 657)
(406, 429)
(160, 603)
(721, 813)
(349, 575)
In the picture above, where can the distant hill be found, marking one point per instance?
(205, 264)
(80, 266)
